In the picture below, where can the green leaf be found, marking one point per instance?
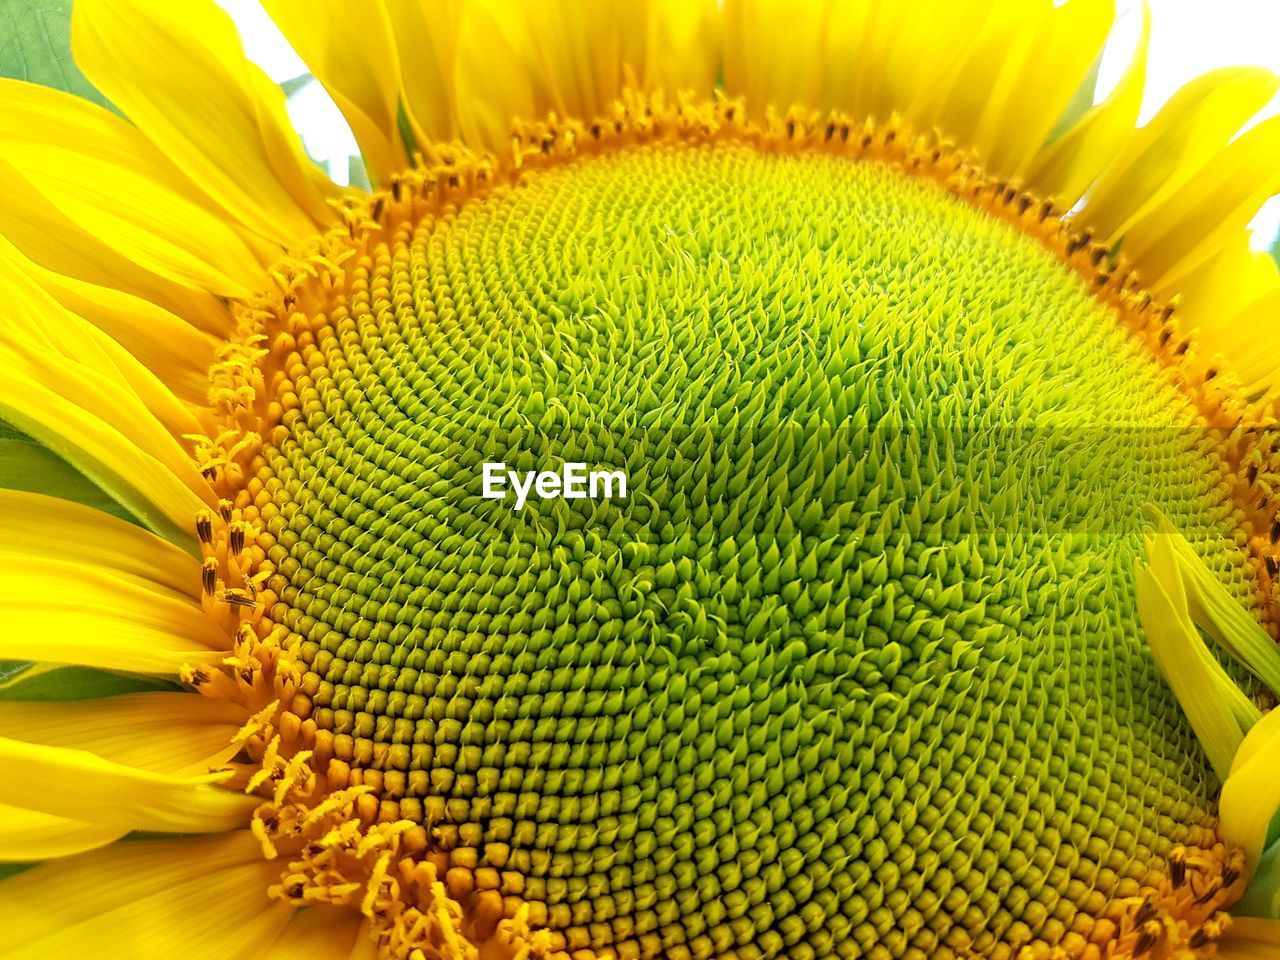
(1081, 102)
(26, 465)
(12, 869)
(76, 683)
(295, 85)
(1262, 896)
(357, 175)
(35, 45)
(411, 145)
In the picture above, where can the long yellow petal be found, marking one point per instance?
(1249, 938)
(161, 732)
(1037, 84)
(774, 52)
(61, 352)
(425, 34)
(197, 898)
(83, 786)
(315, 933)
(1251, 792)
(50, 238)
(884, 59)
(984, 54)
(1185, 229)
(1217, 710)
(100, 450)
(1162, 157)
(76, 613)
(178, 72)
(174, 350)
(520, 61)
(349, 49)
(1068, 166)
(682, 46)
(495, 73)
(33, 526)
(28, 836)
(104, 174)
(1231, 302)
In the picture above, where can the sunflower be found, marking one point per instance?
(937, 617)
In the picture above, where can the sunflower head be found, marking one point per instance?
(751, 482)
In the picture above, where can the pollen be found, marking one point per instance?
(855, 668)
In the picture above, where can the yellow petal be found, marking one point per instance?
(50, 238)
(425, 34)
(27, 836)
(161, 732)
(520, 61)
(884, 59)
(774, 52)
(682, 47)
(1038, 82)
(1231, 302)
(33, 526)
(175, 351)
(104, 174)
(1215, 707)
(349, 49)
(495, 73)
(1068, 166)
(83, 786)
(1251, 792)
(195, 898)
(58, 611)
(318, 932)
(1249, 938)
(101, 451)
(178, 72)
(1183, 230)
(44, 345)
(1215, 611)
(1162, 157)
(984, 54)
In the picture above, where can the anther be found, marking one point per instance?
(209, 576)
(1211, 891)
(1150, 936)
(204, 526)
(224, 510)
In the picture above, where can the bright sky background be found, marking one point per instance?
(1188, 37)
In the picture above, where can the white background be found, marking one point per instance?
(1188, 38)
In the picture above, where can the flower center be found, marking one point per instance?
(856, 658)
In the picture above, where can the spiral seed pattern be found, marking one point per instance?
(853, 670)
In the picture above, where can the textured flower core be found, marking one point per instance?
(854, 670)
